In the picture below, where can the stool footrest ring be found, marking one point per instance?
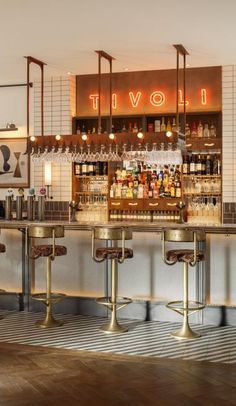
(120, 302)
(178, 306)
(54, 297)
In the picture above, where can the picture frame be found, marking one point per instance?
(14, 163)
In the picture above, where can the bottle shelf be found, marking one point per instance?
(93, 177)
(203, 194)
(201, 176)
(91, 193)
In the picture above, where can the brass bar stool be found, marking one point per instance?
(50, 251)
(190, 257)
(116, 255)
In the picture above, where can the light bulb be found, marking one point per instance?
(58, 137)
(84, 137)
(140, 134)
(168, 133)
(111, 136)
(32, 138)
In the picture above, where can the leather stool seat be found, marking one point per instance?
(184, 255)
(2, 248)
(113, 253)
(47, 250)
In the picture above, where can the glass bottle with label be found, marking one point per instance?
(163, 126)
(194, 131)
(212, 130)
(200, 130)
(206, 131)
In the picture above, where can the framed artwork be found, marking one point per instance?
(14, 163)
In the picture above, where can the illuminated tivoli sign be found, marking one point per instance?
(150, 92)
(156, 98)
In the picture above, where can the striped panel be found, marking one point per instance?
(147, 339)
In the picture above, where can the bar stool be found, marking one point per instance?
(190, 257)
(116, 255)
(50, 251)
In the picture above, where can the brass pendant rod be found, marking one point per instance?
(180, 50)
(41, 64)
(109, 58)
(110, 94)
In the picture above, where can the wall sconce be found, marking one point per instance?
(48, 176)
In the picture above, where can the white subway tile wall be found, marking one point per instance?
(61, 179)
(229, 132)
(59, 105)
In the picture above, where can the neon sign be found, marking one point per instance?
(135, 98)
(157, 98)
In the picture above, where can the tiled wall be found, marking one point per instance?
(229, 142)
(61, 179)
(59, 108)
(59, 105)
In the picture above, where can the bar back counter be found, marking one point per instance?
(147, 280)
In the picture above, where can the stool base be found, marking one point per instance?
(48, 322)
(185, 333)
(113, 328)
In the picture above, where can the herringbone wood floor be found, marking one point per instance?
(36, 376)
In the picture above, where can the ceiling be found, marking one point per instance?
(138, 33)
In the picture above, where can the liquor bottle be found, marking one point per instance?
(163, 126)
(187, 130)
(168, 126)
(94, 130)
(83, 129)
(124, 128)
(162, 189)
(105, 168)
(90, 168)
(212, 130)
(216, 166)
(97, 168)
(130, 128)
(194, 131)
(186, 165)
(200, 130)
(208, 165)
(78, 169)
(140, 191)
(174, 127)
(206, 131)
(192, 165)
(135, 128)
(203, 165)
(178, 189)
(172, 189)
(84, 169)
(199, 166)
(78, 131)
(156, 191)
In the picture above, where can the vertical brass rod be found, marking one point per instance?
(113, 322)
(99, 94)
(42, 99)
(110, 61)
(177, 91)
(28, 95)
(48, 286)
(184, 121)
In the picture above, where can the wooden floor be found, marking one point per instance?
(41, 376)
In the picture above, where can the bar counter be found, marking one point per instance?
(144, 278)
(134, 226)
